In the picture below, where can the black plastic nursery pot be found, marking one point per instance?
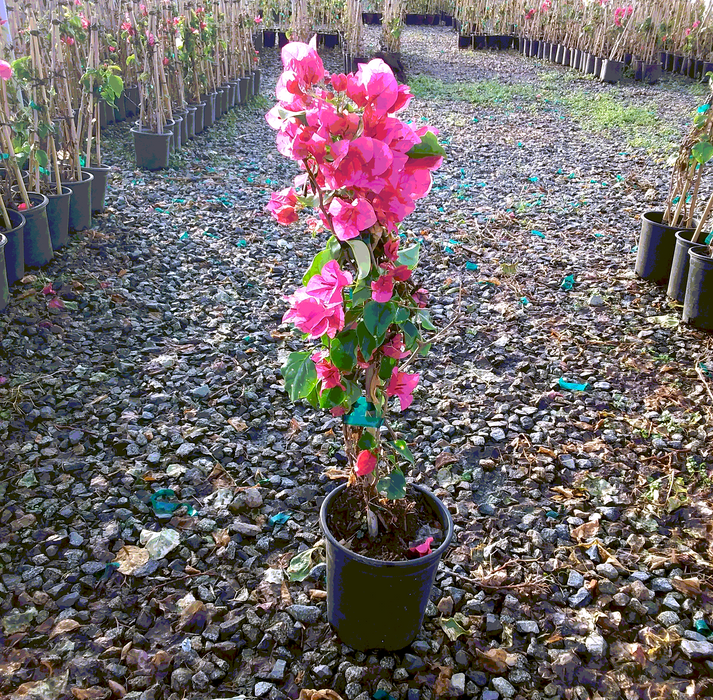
(37, 240)
(491, 42)
(565, 56)
(131, 101)
(612, 71)
(190, 121)
(101, 176)
(649, 73)
(707, 68)
(574, 58)
(244, 81)
(15, 247)
(58, 217)
(534, 48)
(679, 267)
(199, 119)
(373, 604)
(698, 302)
(249, 87)
(588, 68)
(209, 115)
(657, 243)
(176, 142)
(4, 286)
(282, 39)
(480, 42)
(80, 204)
(331, 41)
(182, 127)
(268, 39)
(257, 75)
(465, 42)
(447, 20)
(676, 64)
(152, 149)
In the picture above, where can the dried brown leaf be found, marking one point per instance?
(446, 458)
(221, 537)
(688, 586)
(493, 660)
(238, 425)
(585, 531)
(131, 558)
(442, 685)
(90, 693)
(116, 688)
(63, 627)
(319, 695)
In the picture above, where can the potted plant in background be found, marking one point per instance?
(152, 136)
(362, 171)
(13, 222)
(67, 34)
(657, 240)
(102, 88)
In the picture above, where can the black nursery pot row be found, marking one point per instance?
(605, 69)
(153, 150)
(38, 231)
(329, 40)
(434, 20)
(689, 66)
(493, 42)
(667, 257)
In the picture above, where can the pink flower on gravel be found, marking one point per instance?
(366, 463)
(402, 385)
(327, 373)
(383, 289)
(329, 283)
(282, 206)
(351, 218)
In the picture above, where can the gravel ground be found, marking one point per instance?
(581, 565)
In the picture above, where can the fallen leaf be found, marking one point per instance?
(63, 627)
(319, 695)
(238, 425)
(442, 685)
(452, 628)
(316, 594)
(446, 458)
(493, 660)
(285, 596)
(221, 537)
(131, 558)
(688, 586)
(585, 531)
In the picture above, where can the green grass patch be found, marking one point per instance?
(642, 126)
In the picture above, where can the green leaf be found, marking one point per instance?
(116, 84)
(409, 256)
(393, 486)
(411, 334)
(367, 342)
(387, 366)
(424, 319)
(300, 375)
(379, 316)
(301, 564)
(425, 350)
(362, 257)
(429, 146)
(402, 314)
(451, 627)
(343, 351)
(361, 295)
(702, 151)
(330, 252)
(41, 158)
(367, 441)
(401, 447)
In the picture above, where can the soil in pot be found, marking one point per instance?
(58, 217)
(15, 247)
(37, 239)
(697, 304)
(4, 287)
(406, 517)
(101, 176)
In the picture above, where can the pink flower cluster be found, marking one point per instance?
(318, 308)
(622, 13)
(360, 160)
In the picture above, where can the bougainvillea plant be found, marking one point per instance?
(362, 170)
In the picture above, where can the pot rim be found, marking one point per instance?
(435, 555)
(89, 177)
(101, 166)
(12, 213)
(65, 192)
(42, 203)
(693, 252)
(151, 133)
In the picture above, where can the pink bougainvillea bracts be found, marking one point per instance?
(362, 170)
